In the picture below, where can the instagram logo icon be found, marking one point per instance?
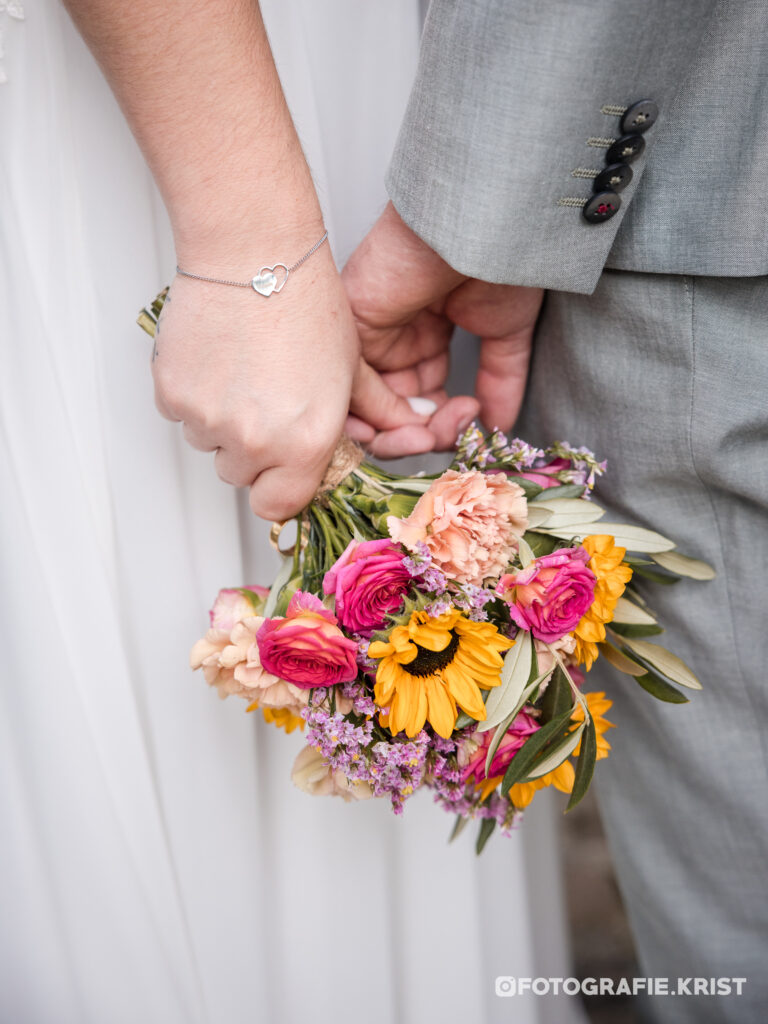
(505, 986)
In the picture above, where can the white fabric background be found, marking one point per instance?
(156, 864)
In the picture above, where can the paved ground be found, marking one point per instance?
(600, 935)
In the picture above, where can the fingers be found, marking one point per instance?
(198, 438)
(501, 379)
(451, 420)
(280, 492)
(377, 404)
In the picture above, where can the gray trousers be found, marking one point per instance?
(667, 378)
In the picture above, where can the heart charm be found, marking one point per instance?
(266, 281)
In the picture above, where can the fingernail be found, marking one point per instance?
(422, 406)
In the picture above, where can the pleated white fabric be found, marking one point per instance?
(156, 864)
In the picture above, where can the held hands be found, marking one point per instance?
(266, 382)
(406, 301)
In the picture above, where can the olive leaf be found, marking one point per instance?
(627, 611)
(558, 754)
(667, 663)
(585, 766)
(683, 565)
(620, 660)
(524, 759)
(661, 689)
(458, 827)
(515, 675)
(486, 830)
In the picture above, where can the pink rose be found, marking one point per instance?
(232, 606)
(470, 522)
(550, 597)
(546, 476)
(523, 726)
(307, 648)
(369, 581)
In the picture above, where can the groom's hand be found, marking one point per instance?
(406, 301)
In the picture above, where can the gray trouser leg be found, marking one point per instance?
(667, 378)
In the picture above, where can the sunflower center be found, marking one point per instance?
(428, 662)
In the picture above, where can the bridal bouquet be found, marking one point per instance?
(435, 631)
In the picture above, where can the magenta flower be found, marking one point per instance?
(550, 597)
(545, 476)
(523, 726)
(307, 648)
(369, 581)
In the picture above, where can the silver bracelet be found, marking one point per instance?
(265, 282)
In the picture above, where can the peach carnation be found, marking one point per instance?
(470, 522)
(230, 662)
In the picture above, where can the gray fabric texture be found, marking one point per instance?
(666, 377)
(509, 91)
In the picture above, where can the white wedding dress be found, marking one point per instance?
(156, 864)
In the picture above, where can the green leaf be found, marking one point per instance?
(640, 631)
(631, 613)
(557, 698)
(635, 538)
(556, 754)
(486, 830)
(585, 766)
(458, 827)
(664, 661)
(524, 759)
(653, 574)
(683, 565)
(531, 489)
(540, 544)
(515, 675)
(463, 720)
(569, 512)
(281, 579)
(526, 555)
(661, 689)
(401, 505)
(537, 517)
(564, 491)
(620, 660)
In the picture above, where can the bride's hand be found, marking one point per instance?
(264, 382)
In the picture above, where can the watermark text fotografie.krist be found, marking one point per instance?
(508, 986)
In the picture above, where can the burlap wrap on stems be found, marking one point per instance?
(346, 459)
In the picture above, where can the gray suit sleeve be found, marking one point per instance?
(510, 112)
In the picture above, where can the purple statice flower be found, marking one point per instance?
(586, 466)
(472, 600)
(362, 701)
(517, 454)
(419, 564)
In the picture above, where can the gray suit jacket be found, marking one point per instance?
(507, 120)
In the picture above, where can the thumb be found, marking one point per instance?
(378, 405)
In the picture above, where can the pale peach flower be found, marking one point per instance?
(232, 605)
(313, 776)
(470, 522)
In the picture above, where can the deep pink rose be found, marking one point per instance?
(550, 597)
(369, 581)
(545, 476)
(523, 726)
(233, 605)
(307, 648)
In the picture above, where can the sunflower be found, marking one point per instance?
(598, 704)
(431, 665)
(606, 562)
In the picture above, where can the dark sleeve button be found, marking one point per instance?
(640, 117)
(601, 207)
(615, 178)
(625, 150)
